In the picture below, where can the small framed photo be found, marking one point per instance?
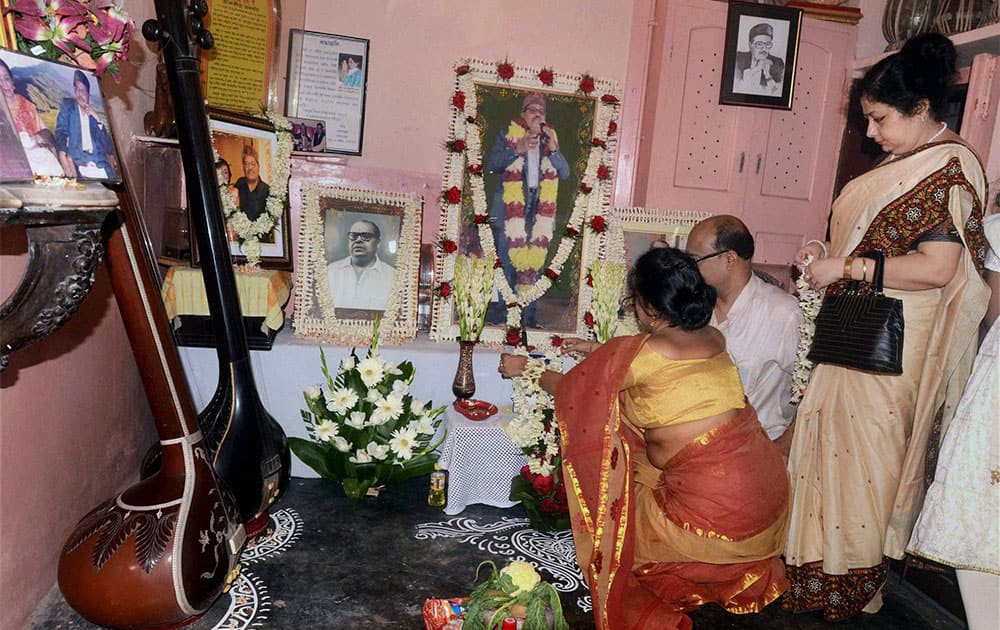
(758, 65)
(308, 134)
(358, 261)
(327, 81)
(58, 114)
(252, 164)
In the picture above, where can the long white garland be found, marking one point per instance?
(528, 429)
(810, 301)
(250, 232)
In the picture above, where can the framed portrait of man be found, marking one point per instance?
(358, 262)
(758, 66)
(58, 113)
(527, 182)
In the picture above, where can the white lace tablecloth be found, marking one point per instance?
(480, 459)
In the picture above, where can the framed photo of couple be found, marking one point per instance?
(358, 262)
(53, 122)
(759, 58)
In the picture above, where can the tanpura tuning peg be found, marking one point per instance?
(151, 30)
(205, 40)
(199, 8)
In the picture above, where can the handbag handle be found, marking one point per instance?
(879, 272)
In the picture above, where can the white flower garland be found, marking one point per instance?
(250, 232)
(528, 428)
(810, 301)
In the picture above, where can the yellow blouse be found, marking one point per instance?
(659, 392)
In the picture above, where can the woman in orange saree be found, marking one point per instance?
(677, 496)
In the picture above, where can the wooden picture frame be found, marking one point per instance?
(580, 116)
(759, 57)
(345, 229)
(55, 147)
(238, 72)
(328, 81)
(636, 229)
(264, 223)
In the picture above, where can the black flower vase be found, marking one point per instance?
(464, 385)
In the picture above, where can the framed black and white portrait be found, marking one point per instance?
(758, 66)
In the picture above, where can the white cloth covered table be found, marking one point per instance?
(480, 459)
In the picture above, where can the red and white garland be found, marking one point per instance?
(465, 157)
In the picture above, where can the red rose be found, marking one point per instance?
(584, 188)
(587, 84)
(610, 99)
(546, 76)
(588, 319)
(556, 341)
(453, 194)
(598, 224)
(444, 290)
(505, 70)
(458, 100)
(548, 505)
(597, 142)
(457, 146)
(572, 232)
(526, 472)
(612, 128)
(513, 337)
(475, 169)
(497, 263)
(603, 172)
(463, 69)
(590, 280)
(551, 274)
(544, 484)
(480, 219)
(449, 246)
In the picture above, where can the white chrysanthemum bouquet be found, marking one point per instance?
(473, 287)
(366, 429)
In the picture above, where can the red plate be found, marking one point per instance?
(475, 409)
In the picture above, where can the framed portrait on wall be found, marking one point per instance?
(327, 81)
(758, 65)
(358, 261)
(49, 103)
(527, 184)
(252, 166)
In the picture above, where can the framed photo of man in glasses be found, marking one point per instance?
(760, 52)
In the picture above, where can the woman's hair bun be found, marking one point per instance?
(929, 63)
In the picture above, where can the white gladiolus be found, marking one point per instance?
(313, 392)
(356, 420)
(341, 444)
(347, 363)
(360, 457)
(378, 451)
(609, 279)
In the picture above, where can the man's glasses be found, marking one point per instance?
(762, 45)
(707, 256)
(366, 237)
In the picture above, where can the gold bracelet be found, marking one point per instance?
(848, 268)
(864, 269)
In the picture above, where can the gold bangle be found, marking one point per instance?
(848, 268)
(864, 269)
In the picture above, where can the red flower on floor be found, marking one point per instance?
(505, 71)
(453, 194)
(545, 76)
(543, 484)
(587, 84)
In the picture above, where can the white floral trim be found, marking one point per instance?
(810, 301)
(315, 314)
(587, 205)
(250, 232)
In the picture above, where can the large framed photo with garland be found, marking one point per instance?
(526, 186)
(252, 164)
(358, 264)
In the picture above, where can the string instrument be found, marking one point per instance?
(161, 552)
(249, 449)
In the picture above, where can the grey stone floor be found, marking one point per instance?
(372, 563)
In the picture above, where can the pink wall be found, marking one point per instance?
(75, 424)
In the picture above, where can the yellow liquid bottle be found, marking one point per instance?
(436, 495)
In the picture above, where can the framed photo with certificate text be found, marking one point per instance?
(327, 81)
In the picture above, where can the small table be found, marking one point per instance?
(263, 295)
(480, 459)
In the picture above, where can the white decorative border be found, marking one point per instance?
(465, 156)
(314, 309)
(671, 224)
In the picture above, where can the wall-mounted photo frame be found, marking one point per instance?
(308, 135)
(759, 59)
(637, 229)
(45, 105)
(252, 164)
(328, 81)
(527, 181)
(238, 72)
(358, 259)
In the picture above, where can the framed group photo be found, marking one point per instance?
(327, 82)
(529, 215)
(759, 58)
(49, 107)
(252, 166)
(358, 260)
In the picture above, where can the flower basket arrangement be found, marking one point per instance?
(366, 429)
(543, 498)
(515, 591)
(92, 34)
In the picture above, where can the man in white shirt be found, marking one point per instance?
(361, 280)
(759, 320)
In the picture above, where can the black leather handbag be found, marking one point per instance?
(861, 328)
